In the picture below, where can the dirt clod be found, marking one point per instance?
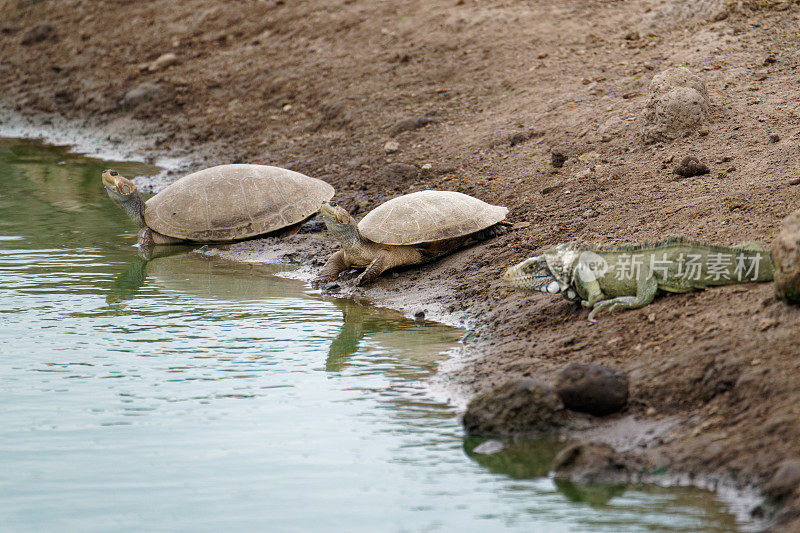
(37, 34)
(408, 124)
(689, 167)
(401, 171)
(557, 157)
(678, 104)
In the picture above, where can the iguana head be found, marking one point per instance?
(533, 274)
(549, 273)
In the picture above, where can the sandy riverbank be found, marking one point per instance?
(322, 86)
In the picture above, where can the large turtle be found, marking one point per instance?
(407, 230)
(222, 203)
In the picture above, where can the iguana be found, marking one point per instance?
(629, 276)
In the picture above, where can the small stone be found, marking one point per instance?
(489, 447)
(592, 388)
(38, 33)
(514, 407)
(426, 166)
(408, 124)
(557, 158)
(786, 258)
(163, 61)
(420, 315)
(785, 480)
(773, 138)
(287, 107)
(651, 411)
(690, 166)
(391, 147)
(329, 287)
(794, 181)
(583, 174)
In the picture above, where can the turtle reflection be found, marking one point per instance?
(420, 345)
(174, 268)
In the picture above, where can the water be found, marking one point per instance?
(183, 394)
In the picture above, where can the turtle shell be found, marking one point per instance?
(428, 216)
(230, 202)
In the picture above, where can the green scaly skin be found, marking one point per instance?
(629, 276)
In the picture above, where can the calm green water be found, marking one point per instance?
(183, 394)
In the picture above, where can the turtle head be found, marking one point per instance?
(533, 274)
(340, 223)
(125, 194)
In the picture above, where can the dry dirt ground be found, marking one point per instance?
(321, 86)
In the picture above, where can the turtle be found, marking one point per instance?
(221, 203)
(407, 230)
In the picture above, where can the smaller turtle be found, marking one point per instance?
(408, 230)
(222, 203)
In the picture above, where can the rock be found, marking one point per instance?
(163, 61)
(38, 33)
(419, 315)
(794, 181)
(489, 447)
(401, 171)
(408, 124)
(690, 166)
(391, 147)
(592, 388)
(784, 481)
(590, 463)
(144, 92)
(773, 138)
(786, 256)
(557, 157)
(678, 103)
(515, 407)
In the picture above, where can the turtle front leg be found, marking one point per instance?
(333, 267)
(372, 272)
(148, 237)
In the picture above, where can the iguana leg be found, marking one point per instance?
(646, 289)
(333, 267)
(592, 291)
(372, 271)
